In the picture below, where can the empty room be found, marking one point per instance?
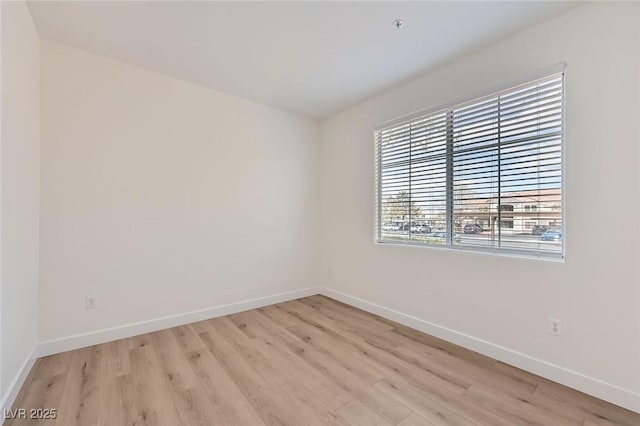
(319, 213)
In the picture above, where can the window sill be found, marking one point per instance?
(555, 258)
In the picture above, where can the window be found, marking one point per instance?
(477, 175)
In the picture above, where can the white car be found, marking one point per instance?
(420, 228)
(391, 226)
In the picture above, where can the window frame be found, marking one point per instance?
(559, 69)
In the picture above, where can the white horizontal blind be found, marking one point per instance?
(485, 175)
(413, 187)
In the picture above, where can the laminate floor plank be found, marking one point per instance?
(358, 414)
(151, 399)
(380, 353)
(222, 392)
(311, 361)
(415, 420)
(264, 397)
(295, 393)
(575, 403)
(177, 374)
(79, 402)
(43, 387)
(377, 401)
(524, 409)
(426, 404)
(320, 386)
(111, 406)
(458, 371)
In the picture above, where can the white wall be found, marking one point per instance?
(507, 301)
(20, 186)
(161, 197)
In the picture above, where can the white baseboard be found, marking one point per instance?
(589, 385)
(110, 334)
(17, 382)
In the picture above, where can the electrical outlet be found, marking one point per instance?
(555, 326)
(90, 302)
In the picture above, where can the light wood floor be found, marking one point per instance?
(309, 361)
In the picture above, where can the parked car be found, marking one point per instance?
(552, 235)
(472, 228)
(420, 228)
(443, 235)
(391, 226)
(539, 229)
